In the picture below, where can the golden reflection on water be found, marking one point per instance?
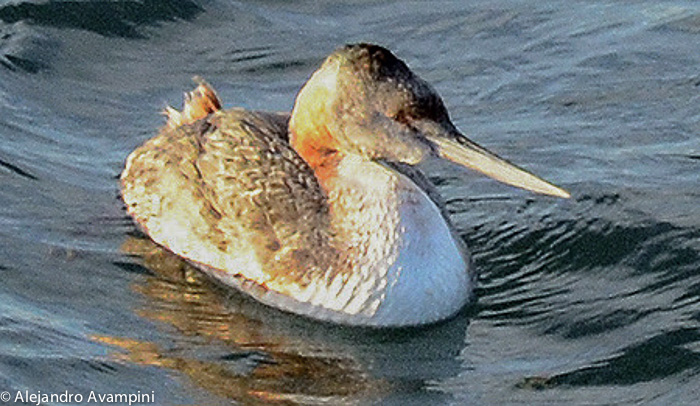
(264, 361)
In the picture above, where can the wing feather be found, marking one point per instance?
(229, 193)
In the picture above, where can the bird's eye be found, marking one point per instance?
(405, 118)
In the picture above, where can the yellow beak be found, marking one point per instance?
(459, 149)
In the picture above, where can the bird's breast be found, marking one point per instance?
(404, 264)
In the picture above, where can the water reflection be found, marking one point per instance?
(238, 349)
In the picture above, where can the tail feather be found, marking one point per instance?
(197, 104)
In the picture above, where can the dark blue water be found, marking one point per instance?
(594, 300)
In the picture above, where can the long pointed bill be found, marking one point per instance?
(459, 149)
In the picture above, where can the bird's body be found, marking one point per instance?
(320, 213)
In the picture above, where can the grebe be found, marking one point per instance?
(321, 212)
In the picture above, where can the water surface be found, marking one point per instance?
(593, 300)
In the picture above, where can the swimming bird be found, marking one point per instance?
(321, 212)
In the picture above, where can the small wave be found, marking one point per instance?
(108, 18)
(684, 22)
(587, 275)
(25, 49)
(17, 170)
(604, 272)
(658, 357)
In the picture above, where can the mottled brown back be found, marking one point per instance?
(230, 185)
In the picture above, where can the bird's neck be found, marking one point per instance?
(364, 199)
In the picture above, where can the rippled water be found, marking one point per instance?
(594, 300)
